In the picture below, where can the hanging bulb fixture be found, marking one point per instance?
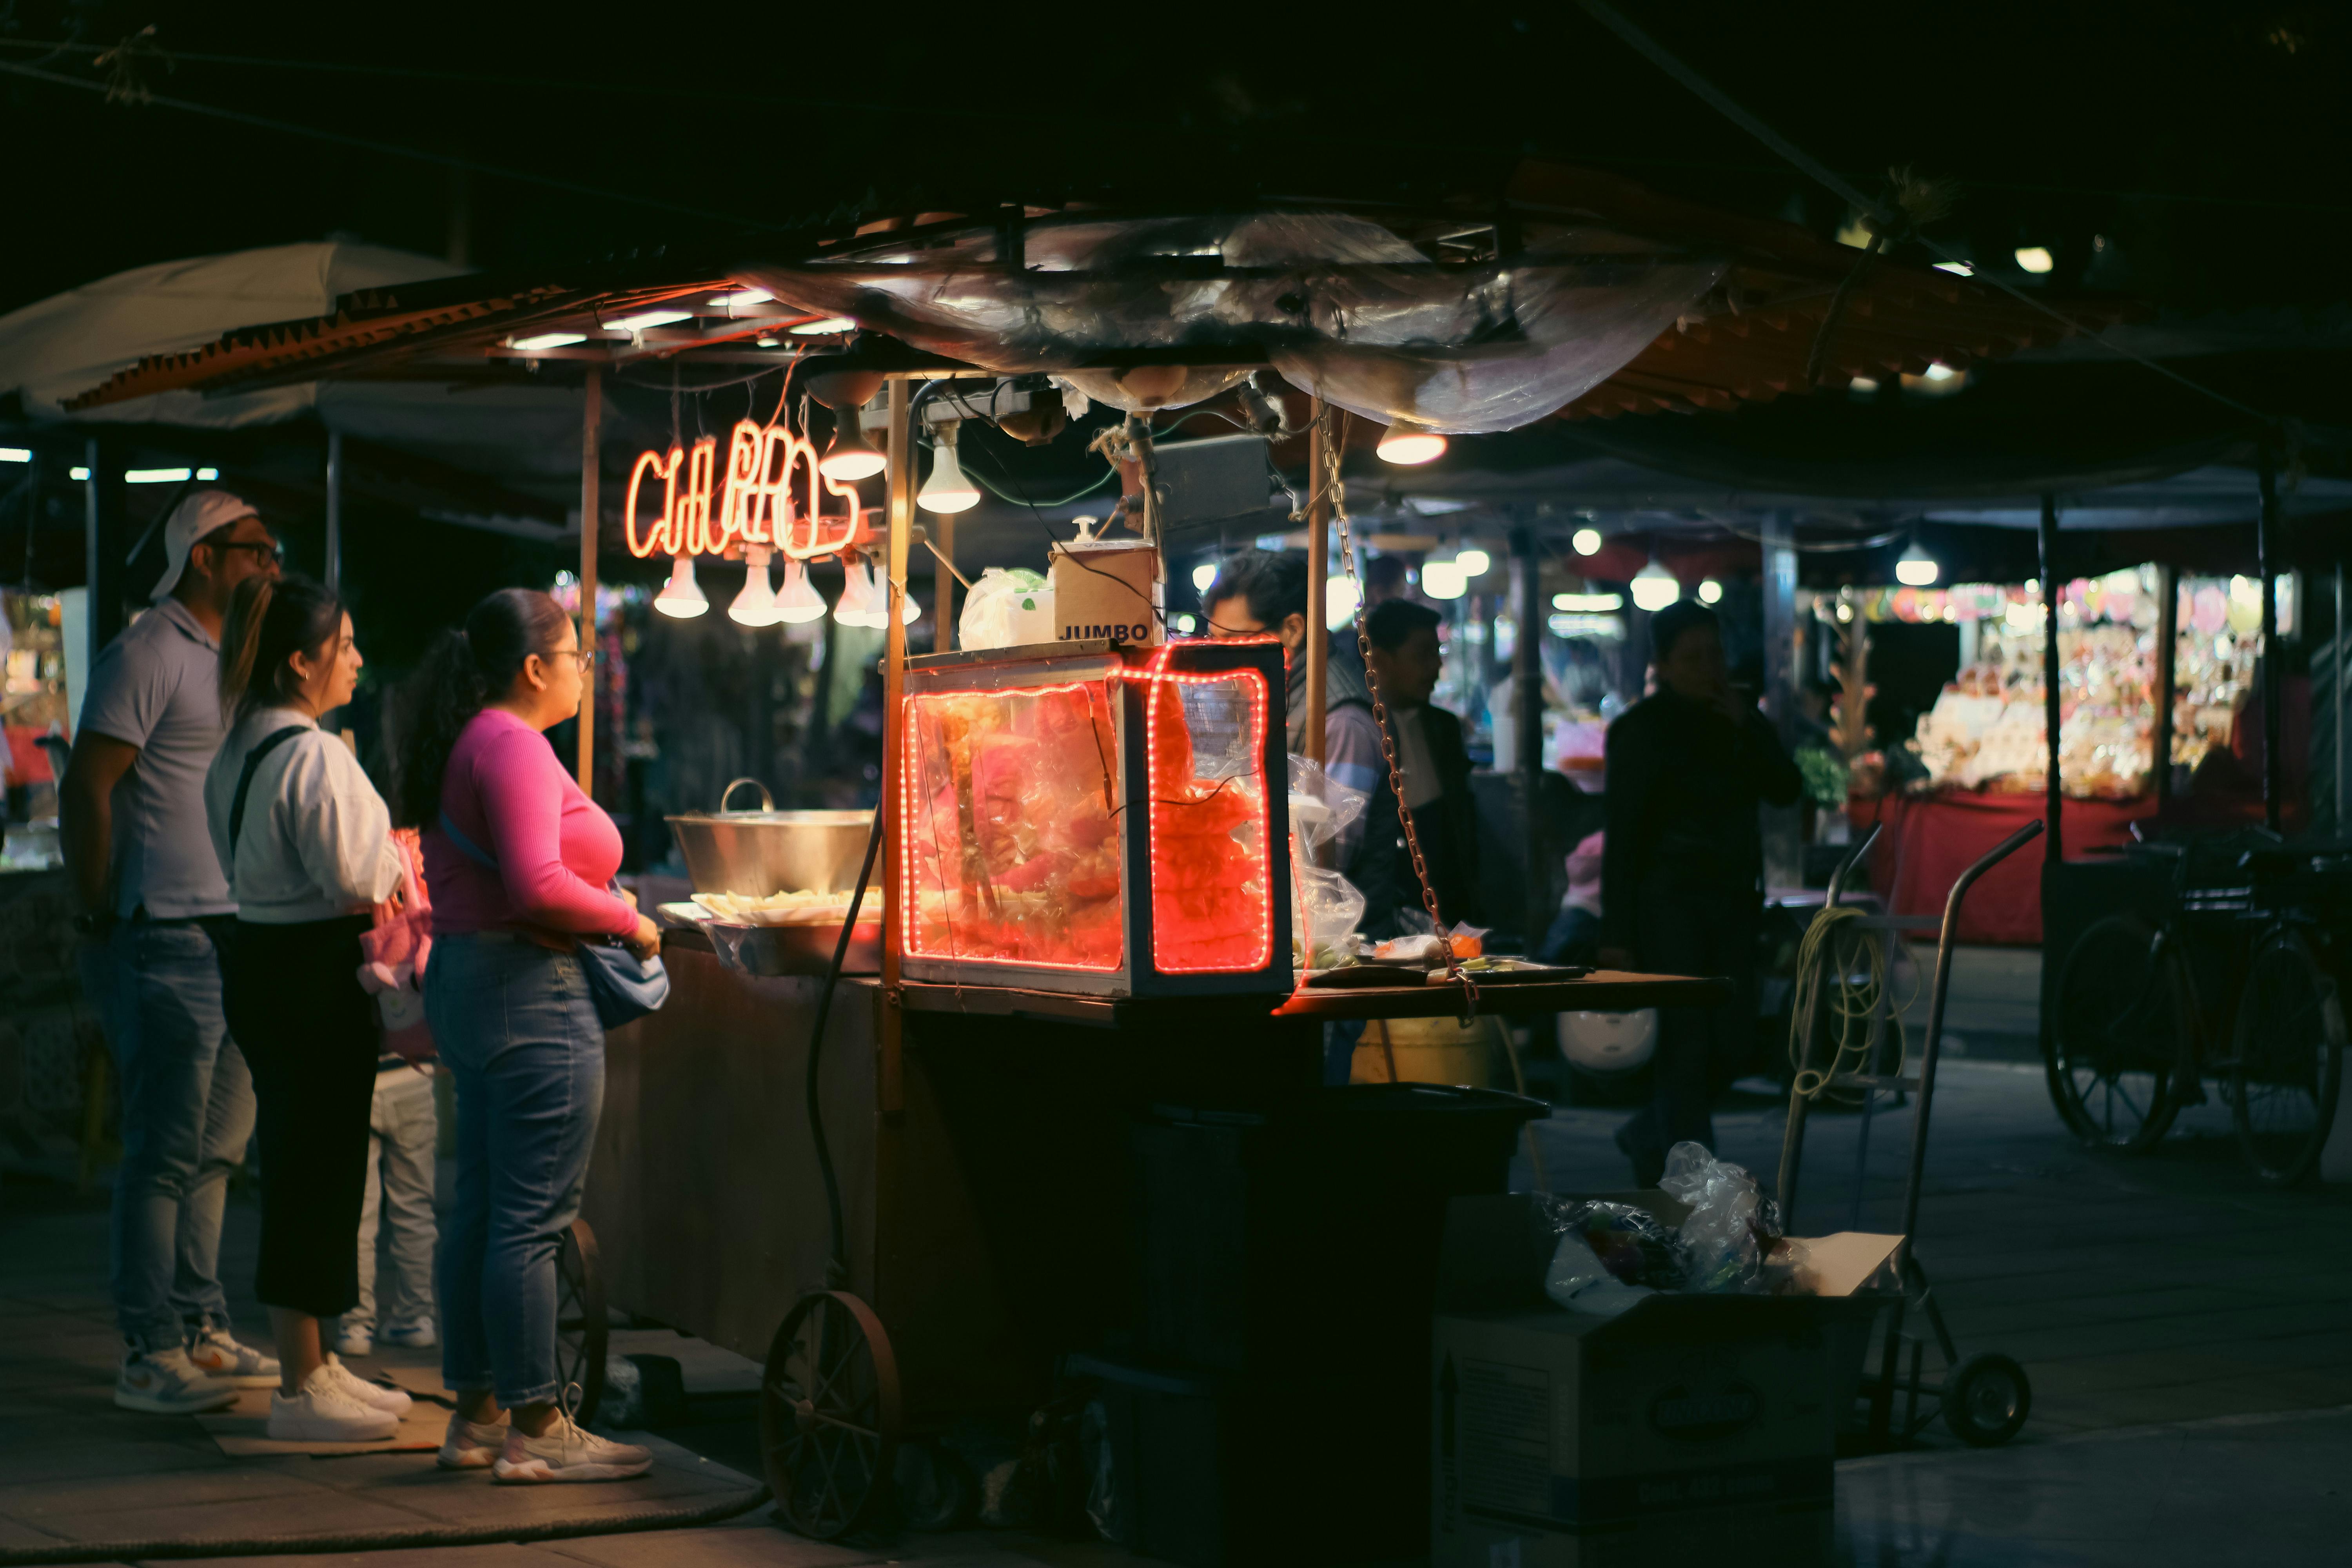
(851, 456)
(856, 596)
(796, 601)
(1407, 444)
(681, 596)
(947, 490)
(1444, 579)
(1655, 587)
(1472, 560)
(1916, 569)
(755, 605)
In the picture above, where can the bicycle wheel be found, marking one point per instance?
(2124, 998)
(2290, 1059)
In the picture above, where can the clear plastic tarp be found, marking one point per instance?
(1340, 305)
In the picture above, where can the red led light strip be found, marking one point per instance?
(1160, 677)
(755, 506)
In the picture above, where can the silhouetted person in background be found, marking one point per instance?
(1432, 761)
(1683, 862)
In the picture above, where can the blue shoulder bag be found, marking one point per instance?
(624, 986)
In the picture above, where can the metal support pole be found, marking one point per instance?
(1318, 567)
(1784, 857)
(2056, 850)
(335, 511)
(2343, 784)
(1526, 718)
(592, 518)
(106, 527)
(2168, 640)
(2266, 543)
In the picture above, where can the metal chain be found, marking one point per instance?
(1335, 451)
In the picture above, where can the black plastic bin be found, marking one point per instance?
(1294, 1254)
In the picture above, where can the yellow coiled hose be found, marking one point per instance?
(1861, 981)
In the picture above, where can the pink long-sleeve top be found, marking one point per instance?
(556, 849)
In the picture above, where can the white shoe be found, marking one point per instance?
(565, 1453)
(417, 1336)
(391, 1401)
(354, 1342)
(166, 1382)
(323, 1412)
(473, 1445)
(219, 1356)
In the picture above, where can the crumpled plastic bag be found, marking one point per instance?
(1580, 1282)
(1008, 607)
(1731, 1242)
(1329, 907)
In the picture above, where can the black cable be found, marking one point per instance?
(838, 1271)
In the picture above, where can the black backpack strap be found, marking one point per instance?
(270, 744)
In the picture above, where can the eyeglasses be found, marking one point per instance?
(582, 657)
(270, 550)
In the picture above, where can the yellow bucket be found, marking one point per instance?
(1428, 1051)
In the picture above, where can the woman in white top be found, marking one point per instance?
(306, 843)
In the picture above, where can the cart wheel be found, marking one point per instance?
(581, 1329)
(935, 1489)
(2124, 1000)
(829, 1414)
(1987, 1399)
(2289, 1060)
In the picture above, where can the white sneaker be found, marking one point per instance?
(323, 1412)
(354, 1342)
(417, 1336)
(166, 1382)
(219, 1356)
(568, 1453)
(473, 1445)
(391, 1401)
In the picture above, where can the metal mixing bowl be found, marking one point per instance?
(771, 851)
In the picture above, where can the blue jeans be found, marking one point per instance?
(518, 1032)
(187, 1114)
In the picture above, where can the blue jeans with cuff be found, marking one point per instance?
(187, 1114)
(516, 1031)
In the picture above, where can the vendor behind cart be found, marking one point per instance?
(1683, 865)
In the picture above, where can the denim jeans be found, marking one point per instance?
(402, 1127)
(187, 1114)
(518, 1032)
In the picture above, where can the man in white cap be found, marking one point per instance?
(154, 910)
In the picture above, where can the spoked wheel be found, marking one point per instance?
(581, 1329)
(829, 1414)
(2124, 1000)
(2290, 1060)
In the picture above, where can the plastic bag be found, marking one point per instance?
(1629, 1242)
(1329, 907)
(1321, 808)
(1729, 1222)
(1579, 1280)
(1008, 607)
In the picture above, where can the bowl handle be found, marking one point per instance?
(767, 801)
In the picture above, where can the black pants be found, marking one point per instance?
(1685, 929)
(310, 1035)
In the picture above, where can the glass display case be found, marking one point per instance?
(1097, 818)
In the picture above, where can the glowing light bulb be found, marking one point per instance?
(1202, 575)
(1587, 541)
(755, 605)
(1710, 592)
(1655, 587)
(823, 326)
(851, 456)
(2036, 257)
(643, 319)
(546, 341)
(797, 601)
(1407, 444)
(1472, 560)
(681, 596)
(1444, 580)
(947, 490)
(1916, 569)
(742, 296)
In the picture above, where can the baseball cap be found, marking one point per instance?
(192, 518)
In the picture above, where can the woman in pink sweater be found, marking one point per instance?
(519, 861)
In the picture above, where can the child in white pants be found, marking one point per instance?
(403, 1129)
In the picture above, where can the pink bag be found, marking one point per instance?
(395, 952)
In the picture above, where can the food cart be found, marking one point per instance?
(910, 1190)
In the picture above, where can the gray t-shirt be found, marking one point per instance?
(157, 687)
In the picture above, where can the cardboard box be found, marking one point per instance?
(1107, 590)
(1698, 1426)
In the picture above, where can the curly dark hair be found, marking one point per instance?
(461, 672)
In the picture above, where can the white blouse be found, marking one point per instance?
(316, 839)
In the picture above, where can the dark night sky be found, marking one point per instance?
(2206, 141)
